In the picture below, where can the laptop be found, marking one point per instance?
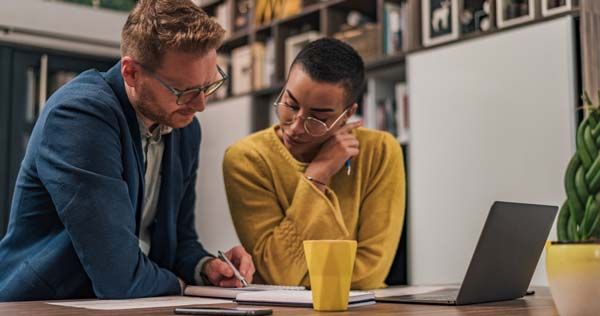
(505, 258)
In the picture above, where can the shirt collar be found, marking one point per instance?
(154, 136)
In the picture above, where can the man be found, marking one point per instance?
(316, 176)
(104, 200)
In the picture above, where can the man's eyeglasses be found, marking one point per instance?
(287, 114)
(186, 96)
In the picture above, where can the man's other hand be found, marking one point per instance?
(220, 274)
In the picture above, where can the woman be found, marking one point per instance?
(316, 176)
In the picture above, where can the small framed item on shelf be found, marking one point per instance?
(511, 12)
(550, 7)
(476, 16)
(439, 21)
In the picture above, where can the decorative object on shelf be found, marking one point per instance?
(241, 15)
(440, 21)
(511, 12)
(475, 16)
(294, 44)
(363, 39)
(356, 19)
(573, 263)
(550, 7)
(267, 11)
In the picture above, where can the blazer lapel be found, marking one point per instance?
(115, 80)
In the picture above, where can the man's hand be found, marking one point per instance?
(341, 146)
(220, 274)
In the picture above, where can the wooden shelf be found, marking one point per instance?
(237, 39)
(386, 62)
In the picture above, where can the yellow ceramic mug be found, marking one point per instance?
(330, 264)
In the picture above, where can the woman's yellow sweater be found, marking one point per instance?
(274, 208)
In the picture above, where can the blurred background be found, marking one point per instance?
(482, 95)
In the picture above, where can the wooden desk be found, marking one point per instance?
(536, 305)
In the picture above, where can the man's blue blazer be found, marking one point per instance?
(73, 227)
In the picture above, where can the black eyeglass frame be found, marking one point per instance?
(180, 93)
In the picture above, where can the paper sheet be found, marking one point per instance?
(409, 290)
(148, 302)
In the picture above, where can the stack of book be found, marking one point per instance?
(263, 66)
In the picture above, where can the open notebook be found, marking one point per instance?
(231, 293)
(297, 298)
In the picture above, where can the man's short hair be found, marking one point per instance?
(332, 61)
(155, 26)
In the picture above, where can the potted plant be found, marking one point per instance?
(573, 262)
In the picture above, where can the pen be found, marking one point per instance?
(237, 273)
(348, 167)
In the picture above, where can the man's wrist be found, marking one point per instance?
(203, 272)
(200, 276)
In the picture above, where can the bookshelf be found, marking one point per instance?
(329, 18)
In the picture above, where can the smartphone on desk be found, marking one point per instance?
(221, 311)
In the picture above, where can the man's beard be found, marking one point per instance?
(147, 106)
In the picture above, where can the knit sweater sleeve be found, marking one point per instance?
(381, 216)
(274, 235)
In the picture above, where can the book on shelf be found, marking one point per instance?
(241, 70)
(258, 65)
(402, 112)
(294, 44)
(363, 39)
(263, 66)
(223, 16)
(267, 11)
(394, 27)
(269, 63)
(386, 116)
